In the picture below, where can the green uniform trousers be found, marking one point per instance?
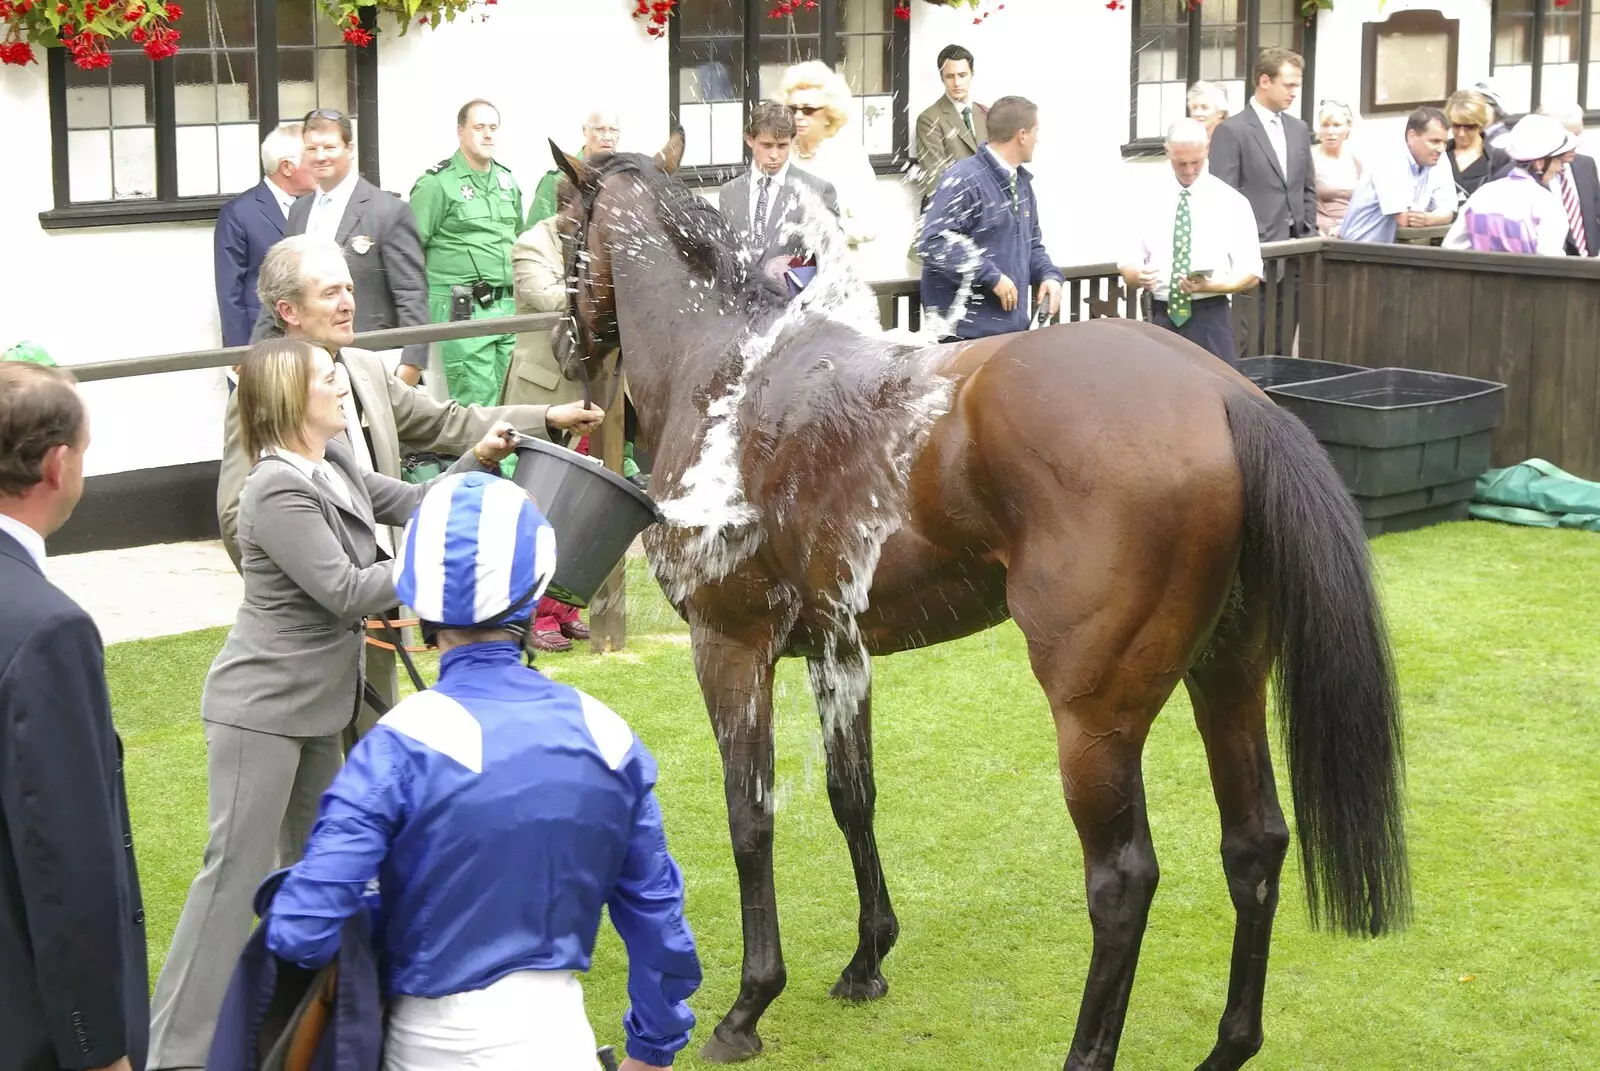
(474, 368)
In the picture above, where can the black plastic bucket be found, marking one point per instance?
(596, 514)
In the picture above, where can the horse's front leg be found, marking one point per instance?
(842, 683)
(736, 678)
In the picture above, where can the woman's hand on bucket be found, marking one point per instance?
(497, 445)
(573, 417)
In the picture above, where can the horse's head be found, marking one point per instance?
(594, 198)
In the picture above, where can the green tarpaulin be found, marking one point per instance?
(1539, 494)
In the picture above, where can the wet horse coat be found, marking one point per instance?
(1143, 513)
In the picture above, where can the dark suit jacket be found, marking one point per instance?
(72, 945)
(247, 227)
(378, 234)
(265, 991)
(1586, 177)
(1242, 156)
(733, 201)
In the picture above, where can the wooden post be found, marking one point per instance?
(608, 612)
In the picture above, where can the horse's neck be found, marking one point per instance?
(675, 331)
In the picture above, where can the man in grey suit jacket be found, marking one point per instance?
(1265, 153)
(952, 127)
(763, 201)
(376, 231)
(306, 286)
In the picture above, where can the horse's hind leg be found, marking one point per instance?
(1229, 691)
(843, 687)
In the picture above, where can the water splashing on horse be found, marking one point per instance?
(1145, 515)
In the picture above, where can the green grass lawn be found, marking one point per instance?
(1499, 651)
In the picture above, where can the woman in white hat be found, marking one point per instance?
(1520, 213)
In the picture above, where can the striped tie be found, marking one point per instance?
(1569, 199)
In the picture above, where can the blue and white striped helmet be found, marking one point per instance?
(476, 552)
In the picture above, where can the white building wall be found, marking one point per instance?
(546, 66)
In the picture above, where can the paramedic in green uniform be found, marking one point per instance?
(469, 212)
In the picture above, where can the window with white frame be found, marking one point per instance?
(1545, 54)
(1175, 46)
(150, 139)
(728, 55)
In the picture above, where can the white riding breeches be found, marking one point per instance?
(526, 1021)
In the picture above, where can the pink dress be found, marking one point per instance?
(1337, 180)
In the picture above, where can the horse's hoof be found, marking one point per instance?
(723, 1050)
(858, 989)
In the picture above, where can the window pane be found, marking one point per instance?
(866, 16)
(234, 24)
(196, 89)
(296, 19)
(708, 18)
(1162, 50)
(133, 162)
(778, 54)
(710, 70)
(89, 165)
(310, 78)
(866, 61)
(1513, 33)
(197, 160)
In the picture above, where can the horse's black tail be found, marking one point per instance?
(1338, 705)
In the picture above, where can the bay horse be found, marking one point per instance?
(1143, 512)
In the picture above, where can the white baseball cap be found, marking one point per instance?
(1537, 137)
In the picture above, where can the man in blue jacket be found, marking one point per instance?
(498, 812)
(981, 247)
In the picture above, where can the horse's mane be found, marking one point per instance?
(700, 234)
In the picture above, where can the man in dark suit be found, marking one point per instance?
(72, 942)
(252, 223)
(376, 231)
(1265, 153)
(763, 201)
(1578, 186)
(951, 128)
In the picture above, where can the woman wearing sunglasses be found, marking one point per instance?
(1472, 160)
(821, 103)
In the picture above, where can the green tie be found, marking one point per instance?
(966, 117)
(1180, 304)
(1013, 191)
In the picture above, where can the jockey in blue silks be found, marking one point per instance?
(498, 812)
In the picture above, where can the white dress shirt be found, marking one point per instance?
(1010, 172)
(285, 200)
(328, 208)
(320, 473)
(756, 175)
(1273, 121)
(1223, 236)
(31, 541)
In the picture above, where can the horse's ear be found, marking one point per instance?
(671, 156)
(570, 166)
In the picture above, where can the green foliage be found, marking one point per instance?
(1496, 637)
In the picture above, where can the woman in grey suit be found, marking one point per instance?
(288, 679)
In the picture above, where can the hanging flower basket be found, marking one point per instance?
(346, 14)
(83, 27)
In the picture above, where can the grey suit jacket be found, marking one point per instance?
(733, 201)
(292, 664)
(943, 138)
(378, 234)
(1242, 156)
(399, 418)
